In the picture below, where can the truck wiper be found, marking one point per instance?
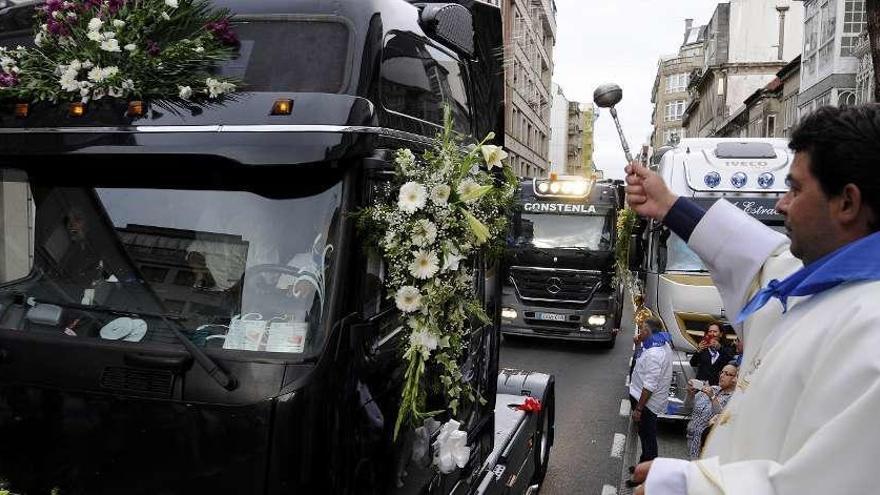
(224, 378)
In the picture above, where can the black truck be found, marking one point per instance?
(559, 262)
(186, 305)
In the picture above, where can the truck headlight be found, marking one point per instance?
(508, 313)
(596, 320)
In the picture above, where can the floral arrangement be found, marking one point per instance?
(91, 49)
(627, 219)
(452, 204)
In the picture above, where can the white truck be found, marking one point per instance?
(751, 174)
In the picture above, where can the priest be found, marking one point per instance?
(804, 417)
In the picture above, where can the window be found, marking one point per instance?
(315, 55)
(674, 110)
(789, 114)
(828, 28)
(854, 20)
(418, 79)
(811, 41)
(770, 130)
(846, 97)
(676, 83)
(670, 135)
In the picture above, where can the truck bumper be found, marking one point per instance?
(559, 323)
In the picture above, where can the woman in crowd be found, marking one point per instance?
(707, 403)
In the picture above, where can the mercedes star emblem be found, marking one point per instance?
(554, 285)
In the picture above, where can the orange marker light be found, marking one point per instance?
(22, 110)
(282, 107)
(136, 109)
(77, 109)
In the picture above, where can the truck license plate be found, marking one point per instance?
(552, 317)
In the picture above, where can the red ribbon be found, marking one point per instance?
(531, 405)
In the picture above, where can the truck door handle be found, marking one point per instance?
(174, 363)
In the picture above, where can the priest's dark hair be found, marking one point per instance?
(844, 148)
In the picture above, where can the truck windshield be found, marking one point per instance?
(680, 257)
(245, 270)
(592, 232)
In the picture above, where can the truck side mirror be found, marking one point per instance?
(449, 23)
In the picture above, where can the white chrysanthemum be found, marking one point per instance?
(467, 187)
(185, 92)
(425, 265)
(408, 299)
(68, 82)
(118, 23)
(110, 45)
(95, 24)
(493, 155)
(424, 233)
(440, 194)
(95, 36)
(424, 341)
(412, 197)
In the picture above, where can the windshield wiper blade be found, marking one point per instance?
(224, 378)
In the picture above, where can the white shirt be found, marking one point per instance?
(804, 417)
(653, 372)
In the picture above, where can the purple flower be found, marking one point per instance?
(222, 30)
(7, 80)
(115, 5)
(152, 48)
(57, 28)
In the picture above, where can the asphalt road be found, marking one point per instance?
(591, 434)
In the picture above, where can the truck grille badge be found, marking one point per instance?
(554, 285)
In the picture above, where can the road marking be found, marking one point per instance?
(618, 445)
(625, 407)
(609, 490)
(627, 381)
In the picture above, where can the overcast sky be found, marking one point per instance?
(619, 41)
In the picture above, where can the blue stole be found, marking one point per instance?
(858, 261)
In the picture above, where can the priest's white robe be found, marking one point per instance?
(806, 414)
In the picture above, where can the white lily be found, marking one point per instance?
(450, 448)
(493, 155)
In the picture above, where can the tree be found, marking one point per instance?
(872, 9)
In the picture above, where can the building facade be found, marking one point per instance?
(669, 94)
(559, 131)
(770, 111)
(829, 63)
(746, 43)
(529, 37)
(865, 74)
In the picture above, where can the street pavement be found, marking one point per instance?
(592, 432)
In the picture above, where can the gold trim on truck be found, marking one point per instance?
(694, 280)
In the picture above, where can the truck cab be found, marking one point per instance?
(560, 261)
(186, 305)
(749, 173)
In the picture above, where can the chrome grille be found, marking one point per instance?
(570, 286)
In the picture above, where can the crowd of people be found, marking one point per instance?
(716, 365)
